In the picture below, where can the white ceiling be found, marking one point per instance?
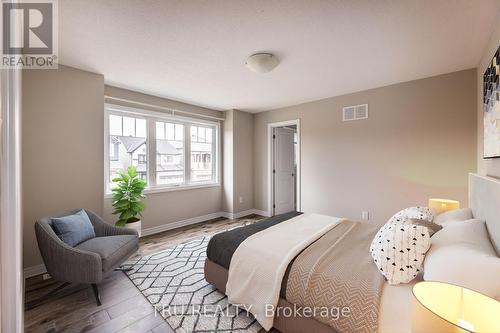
(194, 51)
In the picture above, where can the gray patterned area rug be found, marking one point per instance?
(173, 282)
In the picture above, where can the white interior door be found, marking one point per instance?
(284, 170)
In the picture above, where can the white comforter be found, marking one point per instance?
(259, 263)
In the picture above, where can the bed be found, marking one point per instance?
(395, 300)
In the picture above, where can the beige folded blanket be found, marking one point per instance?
(337, 272)
(259, 263)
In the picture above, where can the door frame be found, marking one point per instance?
(11, 273)
(270, 159)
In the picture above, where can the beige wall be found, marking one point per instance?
(228, 163)
(167, 207)
(238, 161)
(62, 149)
(486, 167)
(243, 161)
(116, 92)
(419, 142)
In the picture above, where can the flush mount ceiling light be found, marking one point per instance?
(262, 62)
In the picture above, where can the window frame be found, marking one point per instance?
(151, 118)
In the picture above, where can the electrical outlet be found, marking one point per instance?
(365, 215)
(241, 200)
(46, 276)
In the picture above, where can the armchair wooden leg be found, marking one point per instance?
(96, 294)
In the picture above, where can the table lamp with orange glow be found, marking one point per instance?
(443, 205)
(447, 308)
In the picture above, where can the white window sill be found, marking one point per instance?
(159, 189)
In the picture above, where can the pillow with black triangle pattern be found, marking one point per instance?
(399, 247)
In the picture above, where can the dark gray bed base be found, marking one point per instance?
(217, 275)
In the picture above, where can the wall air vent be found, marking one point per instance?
(355, 112)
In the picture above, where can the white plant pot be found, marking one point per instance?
(135, 226)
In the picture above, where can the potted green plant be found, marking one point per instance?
(128, 199)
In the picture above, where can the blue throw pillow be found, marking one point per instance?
(73, 229)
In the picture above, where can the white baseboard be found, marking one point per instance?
(261, 212)
(40, 269)
(199, 219)
(239, 214)
(34, 271)
(178, 224)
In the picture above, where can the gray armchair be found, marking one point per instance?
(89, 261)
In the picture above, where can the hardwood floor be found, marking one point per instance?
(124, 308)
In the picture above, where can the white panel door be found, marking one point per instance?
(284, 170)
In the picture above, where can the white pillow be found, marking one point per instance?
(456, 215)
(473, 232)
(399, 247)
(462, 254)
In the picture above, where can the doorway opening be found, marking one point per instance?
(284, 167)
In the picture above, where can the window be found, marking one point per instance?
(127, 137)
(158, 145)
(201, 153)
(114, 148)
(170, 153)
